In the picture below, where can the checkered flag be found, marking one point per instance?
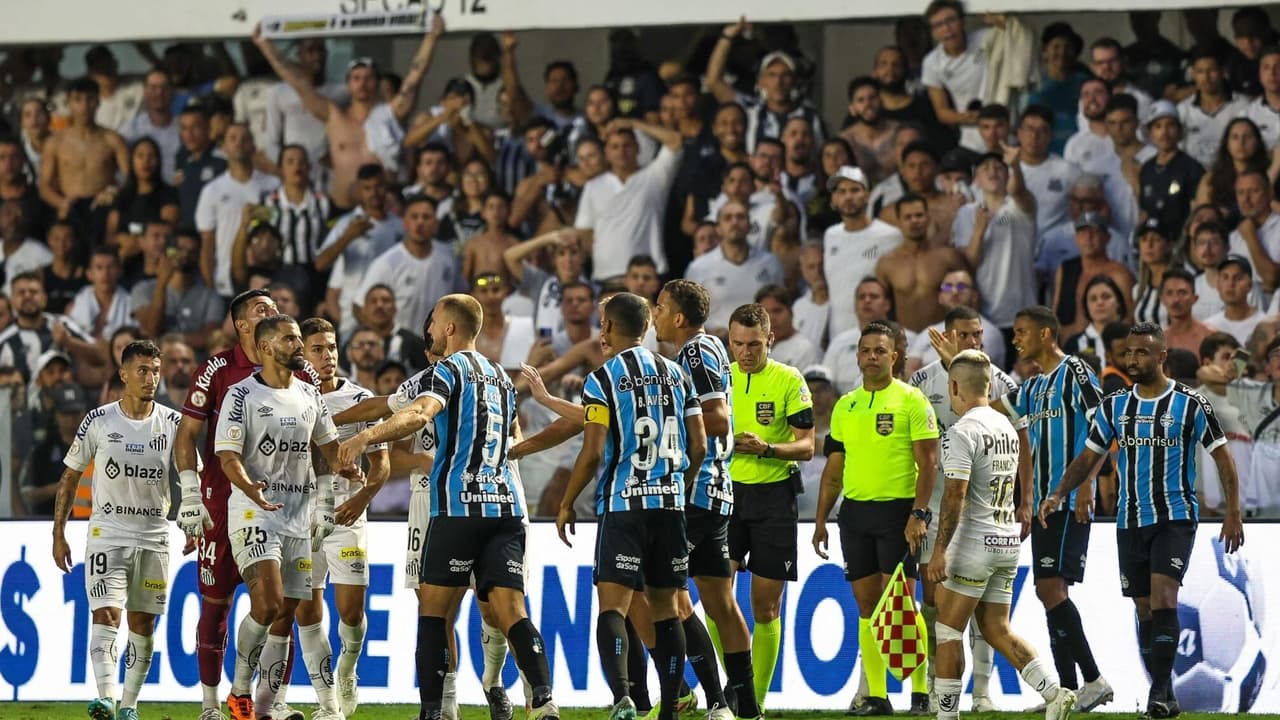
(899, 628)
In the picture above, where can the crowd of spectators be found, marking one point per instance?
(975, 166)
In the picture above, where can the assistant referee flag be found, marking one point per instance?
(899, 628)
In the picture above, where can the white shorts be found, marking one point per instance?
(983, 567)
(419, 518)
(252, 544)
(344, 557)
(132, 578)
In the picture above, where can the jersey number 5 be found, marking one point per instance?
(655, 444)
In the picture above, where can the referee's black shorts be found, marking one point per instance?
(873, 537)
(762, 530)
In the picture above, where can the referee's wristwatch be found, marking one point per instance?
(924, 515)
(768, 451)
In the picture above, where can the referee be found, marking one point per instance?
(1156, 424)
(773, 424)
(882, 456)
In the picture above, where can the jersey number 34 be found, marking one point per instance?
(656, 444)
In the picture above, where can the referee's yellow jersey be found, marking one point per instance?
(762, 403)
(877, 430)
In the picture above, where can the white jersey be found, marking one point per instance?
(272, 430)
(982, 448)
(131, 462)
(849, 256)
(341, 398)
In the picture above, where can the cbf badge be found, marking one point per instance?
(764, 412)
(884, 423)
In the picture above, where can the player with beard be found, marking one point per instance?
(128, 544)
(870, 132)
(1158, 510)
(202, 513)
(344, 555)
(263, 442)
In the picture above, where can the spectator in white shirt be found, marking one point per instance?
(735, 270)
(812, 310)
(221, 205)
(19, 253)
(1130, 151)
(1048, 177)
(102, 306)
(1235, 284)
(118, 100)
(287, 118)
(997, 234)
(420, 270)
(873, 302)
(1206, 248)
(1092, 150)
(790, 347)
(620, 211)
(355, 240)
(1264, 111)
(1258, 234)
(157, 121)
(954, 70)
(1206, 112)
(852, 247)
(544, 288)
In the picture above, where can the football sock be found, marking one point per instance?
(1060, 647)
(611, 642)
(137, 664)
(1164, 645)
(495, 655)
(872, 662)
(433, 663)
(669, 654)
(1080, 649)
(287, 677)
(526, 645)
(105, 658)
(738, 667)
(766, 640)
(1038, 677)
(250, 637)
(211, 643)
(637, 670)
(984, 658)
(317, 654)
(1145, 631)
(949, 690)
(352, 639)
(274, 658)
(703, 659)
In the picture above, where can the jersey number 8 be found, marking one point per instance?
(655, 444)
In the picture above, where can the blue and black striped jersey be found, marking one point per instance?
(643, 399)
(1058, 406)
(1156, 459)
(471, 476)
(706, 362)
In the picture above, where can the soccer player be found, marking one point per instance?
(773, 432)
(962, 328)
(888, 425)
(202, 512)
(1156, 425)
(979, 537)
(679, 317)
(644, 425)
(344, 556)
(1057, 405)
(476, 517)
(263, 441)
(130, 444)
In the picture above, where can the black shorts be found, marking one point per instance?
(873, 537)
(490, 548)
(639, 548)
(762, 530)
(1061, 549)
(1163, 548)
(707, 534)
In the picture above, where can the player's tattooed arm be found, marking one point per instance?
(949, 514)
(61, 509)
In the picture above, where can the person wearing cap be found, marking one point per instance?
(1072, 277)
(777, 101)
(996, 232)
(919, 169)
(1047, 175)
(451, 123)
(852, 247)
(1106, 60)
(289, 122)
(735, 270)
(368, 130)
(870, 133)
(1264, 110)
(156, 120)
(1235, 286)
(1091, 148)
(955, 172)
(1258, 234)
(913, 270)
(1207, 111)
(1155, 256)
(1169, 180)
(41, 472)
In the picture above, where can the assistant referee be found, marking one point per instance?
(882, 456)
(773, 424)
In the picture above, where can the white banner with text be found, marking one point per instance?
(1228, 654)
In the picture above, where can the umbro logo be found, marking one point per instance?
(265, 411)
(115, 437)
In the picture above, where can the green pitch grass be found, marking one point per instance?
(189, 711)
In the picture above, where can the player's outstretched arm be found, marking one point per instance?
(828, 491)
(584, 471)
(552, 435)
(1077, 473)
(402, 424)
(369, 409)
(1232, 534)
(538, 390)
(233, 468)
(315, 103)
(61, 510)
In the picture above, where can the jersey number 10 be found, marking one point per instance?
(655, 444)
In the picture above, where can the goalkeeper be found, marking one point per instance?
(882, 457)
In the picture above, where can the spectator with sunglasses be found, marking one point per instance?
(957, 288)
